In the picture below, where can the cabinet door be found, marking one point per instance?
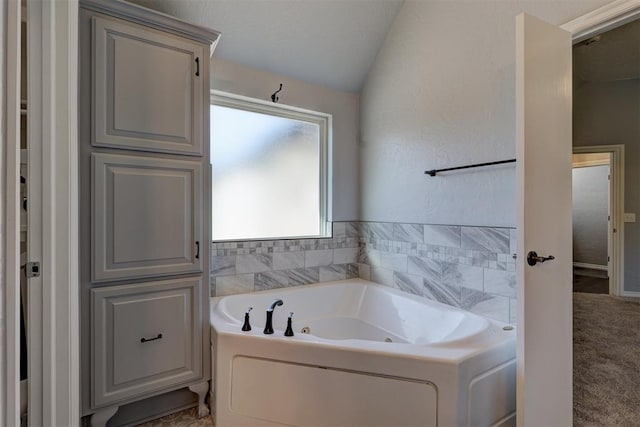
(146, 216)
(146, 337)
(147, 89)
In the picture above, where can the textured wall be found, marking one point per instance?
(590, 214)
(344, 107)
(609, 113)
(442, 93)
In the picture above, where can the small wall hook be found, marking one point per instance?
(274, 96)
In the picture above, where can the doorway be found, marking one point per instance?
(606, 105)
(592, 229)
(606, 83)
(594, 156)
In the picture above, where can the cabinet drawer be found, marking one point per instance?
(147, 215)
(146, 337)
(148, 89)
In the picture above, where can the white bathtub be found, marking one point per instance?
(373, 356)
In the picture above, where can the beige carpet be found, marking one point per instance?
(606, 361)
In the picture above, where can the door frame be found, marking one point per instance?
(54, 389)
(54, 333)
(10, 29)
(616, 227)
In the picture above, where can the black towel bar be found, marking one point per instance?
(434, 172)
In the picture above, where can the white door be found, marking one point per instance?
(543, 134)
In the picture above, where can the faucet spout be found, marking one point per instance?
(268, 327)
(275, 303)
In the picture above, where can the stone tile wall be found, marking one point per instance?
(238, 267)
(467, 267)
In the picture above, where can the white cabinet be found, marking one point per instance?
(148, 89)
(143, 152)
(147, 216)
(145, 337)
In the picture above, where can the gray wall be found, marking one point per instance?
(590, 212)
(605, 114)
(442, 93)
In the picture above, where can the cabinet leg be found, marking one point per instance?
(201, 390)
(100, 418)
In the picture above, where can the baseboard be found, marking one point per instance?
(630, 294)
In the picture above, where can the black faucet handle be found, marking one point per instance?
(289, 331)
(247, 325)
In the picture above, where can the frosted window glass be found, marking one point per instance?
(266, 175)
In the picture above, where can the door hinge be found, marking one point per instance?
(609, 218)
(608, 259)
(33, 269)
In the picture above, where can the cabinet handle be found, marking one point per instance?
(197, 66)
(151, 339)
(197, 250)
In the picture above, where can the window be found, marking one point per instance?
(270, 170)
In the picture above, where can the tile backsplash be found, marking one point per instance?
(238, 267)
(467, 267)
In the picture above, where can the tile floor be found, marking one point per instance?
(186, 418)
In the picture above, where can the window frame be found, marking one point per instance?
(325, 124)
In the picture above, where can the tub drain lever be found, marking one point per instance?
(289, 331)
(247, 325)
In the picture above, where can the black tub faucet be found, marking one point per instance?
(268, 327)
(247, 325)
(289, 331)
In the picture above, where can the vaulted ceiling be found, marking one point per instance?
(328, 42)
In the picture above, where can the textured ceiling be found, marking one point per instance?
(611, 56)
(328, 42)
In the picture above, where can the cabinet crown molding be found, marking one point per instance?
(153, 19)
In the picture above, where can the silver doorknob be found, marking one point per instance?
(533, 258)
